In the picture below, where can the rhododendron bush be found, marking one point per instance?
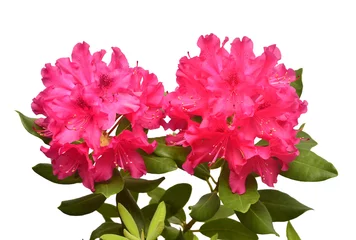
(232, 113)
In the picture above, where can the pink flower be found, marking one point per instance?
(122, 152)
(69, 158)
(240, 99)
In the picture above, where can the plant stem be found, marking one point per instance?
(211, 187)
(214, 181)
(189, 225)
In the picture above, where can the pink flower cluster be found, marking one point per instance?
(84, 98)
(228, 101)
(225, 103)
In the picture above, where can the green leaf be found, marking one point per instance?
(170, 232)
(309, 167)
(128, 220)
(108, 211)
(130, 236)
(125, 198)
(124, 124)
(215, 237)
(156, 194)
(135, 195)
(257, 219)
(157, 223)
(142, 185)
(298, 84)
(206, 207)
(218, 163)
(112, 237)
(189, 235)
(262, 142)
(158, 165)
(106, 228)
(281, 206)
(110, 187)
(291, 233)
(223, 212)
(176, 197)
(45, 170)
(179, 218)
(237, 202)
(179, 155)
(30, 126)
(227, 229)
(306, 142)
(83, 205)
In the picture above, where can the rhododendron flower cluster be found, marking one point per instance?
(82, 103)
(227, 102)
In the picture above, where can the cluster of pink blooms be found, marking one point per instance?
(224, 104)
(83, 99)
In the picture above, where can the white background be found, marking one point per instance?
(318, 36)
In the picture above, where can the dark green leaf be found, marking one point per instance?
(176, 197)
(218, 163)
(257, 219)
(135, 195)
(31, 127)
(179, 155)
(179, 218)
(298, 83)
(108, 211)
(125, 198)
(227, 229)
(237, 202)
(142, 185)
(45, 170)
(106, 228)
(83, 205)
(223, 212)
(157, 165)
(180, 236)
(281, 206)
(262, 142)
(309, 167)
(291, 233)
(156, 194)
(306, 142)
(110, 187)
(124, 124)
(170, 233)
(189, 235)
(206, 207)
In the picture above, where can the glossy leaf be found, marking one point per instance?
(125, 198)
(108, 211)
(206, 207)
(156, 194)
(309, 167)
(130, 236)
(83, 205)
(110, 187)
(157, 223)
(176, 197)
(237, 202)
(170, 232)
(128, 220)
(223, 212)
(179, 155)
(124, 124)
(142, 185)
(178, 218)
(112, 237)
(306, 142)
(291, 233)
(281, 206)
(30, 126)
(45, 170)
(227, 229)
(158, 165)
(257, 219)
(106, 228)
(298, 84)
